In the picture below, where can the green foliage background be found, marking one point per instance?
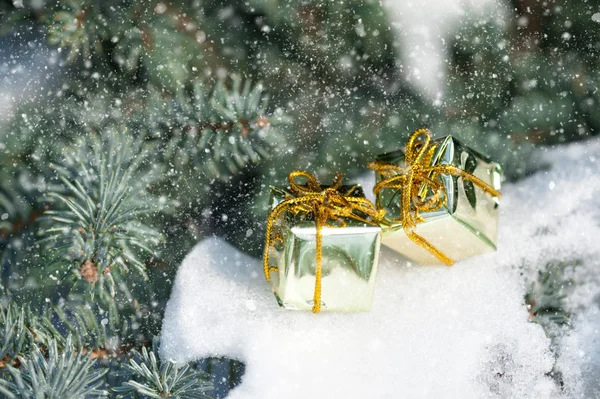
(172, 118)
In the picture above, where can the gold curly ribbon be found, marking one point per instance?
(415, 179)
(324, 204)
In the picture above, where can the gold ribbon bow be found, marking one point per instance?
(420, 186)
(324, 204)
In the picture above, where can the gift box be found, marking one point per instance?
(440, 199)
(335, 223)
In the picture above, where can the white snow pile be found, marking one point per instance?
(459, 332)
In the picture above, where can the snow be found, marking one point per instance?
(459, 332)
(28, 70)
(424, 27)
(580, 360)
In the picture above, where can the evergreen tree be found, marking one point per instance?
(172, 118)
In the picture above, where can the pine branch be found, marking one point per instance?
(545, 298)
(58, 334)
(18, 192)
(95, 228)
(18, 211)
(207, 132)
(220, 134)
(152, 378)
(545, 301)
(35, 343)
(13, 335)
(78, 26)
(135, 36)
(54, 374)
(23, 330)
(534, 83)
(102, 333)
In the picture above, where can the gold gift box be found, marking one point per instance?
(466, 225)
(349, 260)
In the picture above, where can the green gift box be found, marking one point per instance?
(467, 222)
(350, 252)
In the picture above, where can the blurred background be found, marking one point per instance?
(187, 110)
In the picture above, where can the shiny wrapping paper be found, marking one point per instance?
(350, 257)
(467, 225)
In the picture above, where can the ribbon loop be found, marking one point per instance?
(323, 204)
(420, 187)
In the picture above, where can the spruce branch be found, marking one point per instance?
(54, 354)
(221, 133)
(135, 36)
(149, 377)
(54, 374)
(23, 329)
(545, 297)
(14, 207)
(19, 209)
(79, 26)
(13, 335)
(101, 333)
(545, 300)
(96, 226)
